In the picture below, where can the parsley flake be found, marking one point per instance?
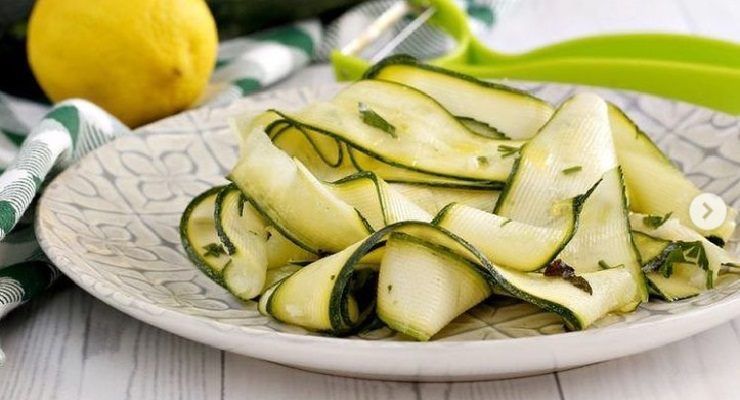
(370, 117)
(213, 250)
(656, 221)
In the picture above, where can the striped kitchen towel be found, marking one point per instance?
(37, 141)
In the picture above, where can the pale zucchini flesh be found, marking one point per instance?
(655, 186)
(578, 135)
(278, 187)
(422, 287)
(433, 198)
(508, 243)
(242, 233)
(282, 251)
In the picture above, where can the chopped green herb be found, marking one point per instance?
(332, 277)
(505, 222)
(656, 221)
(370, 117)
(679, 252)
(581, 283)
(572, 170)
(507, 150)
(390, 287)
(213, 250)
(482, 160)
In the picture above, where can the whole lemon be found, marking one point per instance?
(140, 60)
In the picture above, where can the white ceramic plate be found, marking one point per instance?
(110, 223)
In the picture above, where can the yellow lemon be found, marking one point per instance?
(141, 60)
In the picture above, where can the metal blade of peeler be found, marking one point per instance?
(381, 25)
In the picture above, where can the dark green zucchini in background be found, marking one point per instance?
(239, 17)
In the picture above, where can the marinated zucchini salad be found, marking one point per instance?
(416, 193)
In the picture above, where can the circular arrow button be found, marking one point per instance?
(708, 211)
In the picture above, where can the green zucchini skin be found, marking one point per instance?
(483, 102)
(218, 212)
(426, 178)
(482, 128)
(195, 254)
(405, 59)
(279, 128)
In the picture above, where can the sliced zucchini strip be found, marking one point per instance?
(242, 232)
(572, 152)
(578, 139)
(613, 289)
(654, 185)
(321, 296)
(333, 294)
(510, 111)
(376, 200)
(511, 244)
(603, 238)
(422, 286)
(426, 137)
(399, 174)
(279, 186)
(199, 236)
(433, 198)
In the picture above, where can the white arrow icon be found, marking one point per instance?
(707, 211)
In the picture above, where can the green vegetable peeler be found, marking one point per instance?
(689, 68)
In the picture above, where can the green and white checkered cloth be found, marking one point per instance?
(36, 141)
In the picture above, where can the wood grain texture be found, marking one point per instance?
(703, 366)
(250, 378)
(69, 346)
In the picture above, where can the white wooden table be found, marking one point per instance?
(68, 345)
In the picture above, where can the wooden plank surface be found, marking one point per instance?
(68, 345)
